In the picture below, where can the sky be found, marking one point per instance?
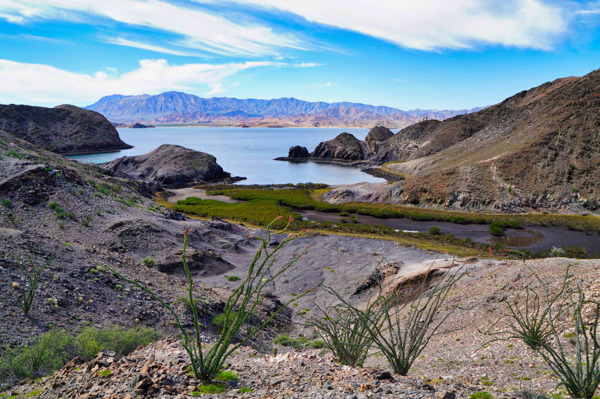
(408, 54)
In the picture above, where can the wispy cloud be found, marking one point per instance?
(195, 27)
(47, 85)
(437, 24)
(144, 46)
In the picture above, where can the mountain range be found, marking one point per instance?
(177, 107)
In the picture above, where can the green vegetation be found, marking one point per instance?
(481, 395)
(207, 362)
(6, 203)
(496, 230)
(210, 389)
(122, 341)
(14, 154)
(233, 278)
(244, 390)
(348, 340)
(434, 230)
(228, 375)
(52, 350)
(31, 278)
(104, 373)
(149, 261)
(579, 372)
(399, 329)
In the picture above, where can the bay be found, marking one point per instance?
(247, 152)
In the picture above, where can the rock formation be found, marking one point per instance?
(64, 129)
(344, 147)
(169, 166)
(298, 152)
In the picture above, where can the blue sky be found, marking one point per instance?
(429, 54)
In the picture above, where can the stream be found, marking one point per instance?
(534, 238)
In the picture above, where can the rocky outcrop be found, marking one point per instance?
(344, 147)
(139, 126)
(298, 152)
(376, 136)
(169, 166)
(65, 129)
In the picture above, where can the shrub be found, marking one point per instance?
(434, 230)
(207, 362)
(342, 333)
(481, 395)
(122, 341)
(6, 203)
(233, 278)
(286, 340)
(149, 261)
(44, 355)
(496, 230)
(31, 277)
(402, 331)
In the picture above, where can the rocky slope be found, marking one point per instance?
(169, 166)
(535, 150)
(177, 107)
(64, 129)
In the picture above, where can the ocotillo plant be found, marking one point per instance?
(206, 364)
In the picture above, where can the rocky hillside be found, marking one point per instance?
(177, 107)
(64, 129)
(169, 166)
(536, 150)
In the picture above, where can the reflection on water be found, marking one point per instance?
(520, 239)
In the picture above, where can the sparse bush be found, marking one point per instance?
(207, 363)
(286, 340)
(6, 203)
(342, 333)
(481, 395)
(529, 394)
(401, 331)
(434, 230)
(579, 373)
(149, 261)
(31, 278)
(496, 230)
(233, 278)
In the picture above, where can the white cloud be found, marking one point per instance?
(144, 46)
(197, 29)
(47, 85)
(436, 24)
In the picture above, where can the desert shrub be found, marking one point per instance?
(122, 341)
(6, 203)
(45, 354)
(149, 261)
(529, 394)
(233, 278)
(434, 230)
(286, 340)
(32, 274)
(401, 331)
(579, 373)
(207, 362)
(481, 395)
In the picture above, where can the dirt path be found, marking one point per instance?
(183, 193)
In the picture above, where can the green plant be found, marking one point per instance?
(345, 336)
(401, 331)
(104, 373)
(228, 375)
(45, 354)
(481, 395)
(207, 363)
(579, 374)
(149, 261)
(434, 230)
(211, 389)
(529, 394)
(286, 340)
(6, 203)
(531, 319)
(233, 278)
(244, 390)
(496, 229)
(31, 278)
(122, 341)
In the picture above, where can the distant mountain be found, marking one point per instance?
(178, 107)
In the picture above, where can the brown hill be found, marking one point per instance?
(65, 129)
(538, 148)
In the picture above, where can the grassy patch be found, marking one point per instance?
(233, 278)
(211, 389)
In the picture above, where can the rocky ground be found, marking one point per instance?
(71, 216)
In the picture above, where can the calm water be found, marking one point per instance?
(247, 152)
